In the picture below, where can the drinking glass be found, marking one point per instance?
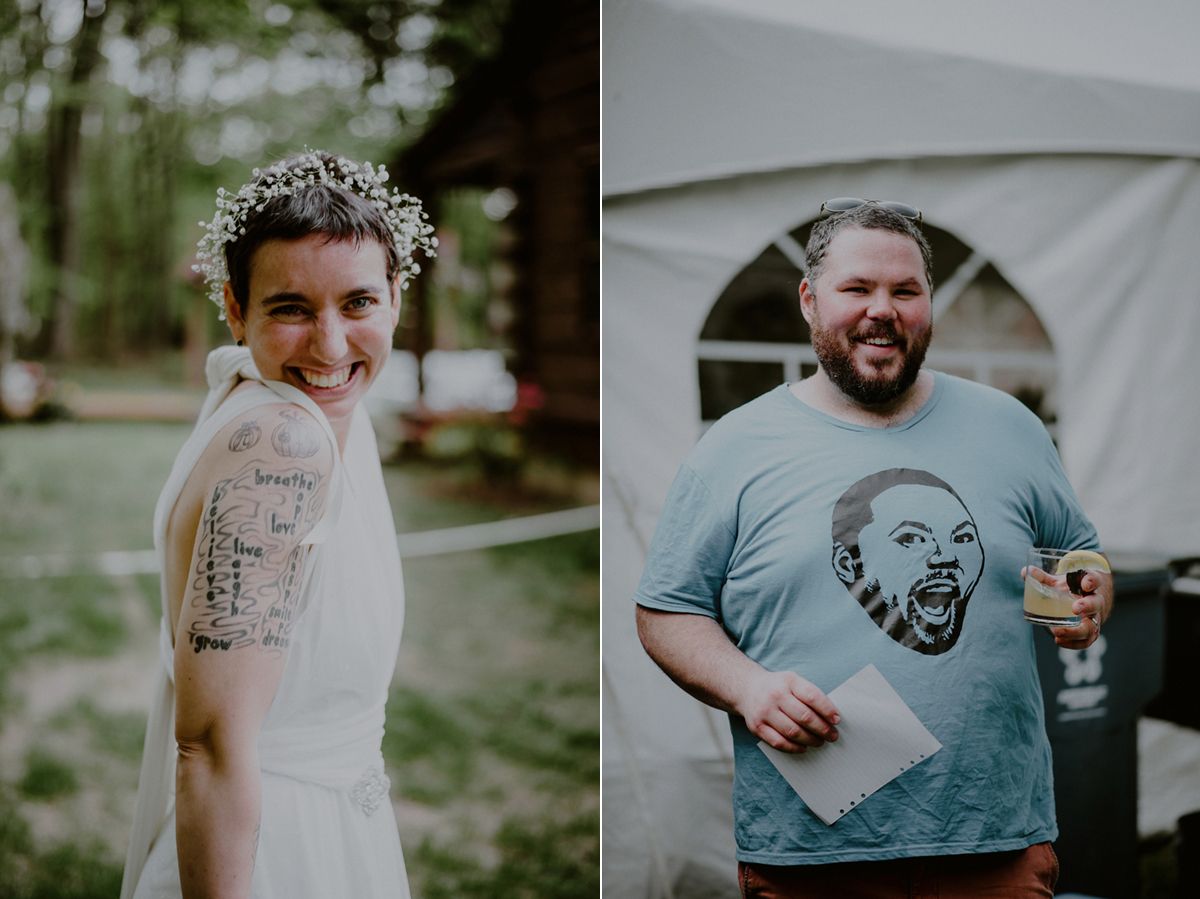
(1048, 594)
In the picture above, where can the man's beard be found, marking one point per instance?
(878, 389)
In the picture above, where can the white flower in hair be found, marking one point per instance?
(403, 214)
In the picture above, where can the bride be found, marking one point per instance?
(281, 587)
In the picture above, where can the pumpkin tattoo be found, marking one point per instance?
(245, 436)
(295, 438)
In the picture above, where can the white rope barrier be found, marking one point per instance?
(421, 543)
(498, 533)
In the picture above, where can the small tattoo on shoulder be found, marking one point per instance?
(295, 438)
(245, 436)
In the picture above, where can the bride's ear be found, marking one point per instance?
(233, 316)
(395, 301)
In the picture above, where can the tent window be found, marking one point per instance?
(760, 304)
(755, 337)
(724, 383)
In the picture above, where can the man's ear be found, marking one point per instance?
(807, 301)
(843, 564)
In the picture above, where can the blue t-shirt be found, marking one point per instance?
(823, 546)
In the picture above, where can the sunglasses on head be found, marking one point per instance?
(845, 204)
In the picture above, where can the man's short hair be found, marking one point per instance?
(340, 215)
(867, 216)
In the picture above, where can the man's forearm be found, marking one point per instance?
(218, 804)
(780, 707)
(695, 652)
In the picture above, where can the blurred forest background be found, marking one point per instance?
(119, 119)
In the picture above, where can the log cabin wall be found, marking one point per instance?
(529, 120)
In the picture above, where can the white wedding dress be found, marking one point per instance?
(328, 829)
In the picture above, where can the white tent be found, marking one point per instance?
(1060, 142)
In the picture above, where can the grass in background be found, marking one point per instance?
(82, 487)
(437, 744)
(47, 777)
(542, 859)
(425, 741)
(121, 735)
(76, 616)
(551, 563)
(65, 871)
(69, 488)
(493, 724)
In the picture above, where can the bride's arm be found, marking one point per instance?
(231, 644)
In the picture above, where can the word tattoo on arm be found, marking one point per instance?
(248, 576)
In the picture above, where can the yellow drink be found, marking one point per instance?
(1045, 605)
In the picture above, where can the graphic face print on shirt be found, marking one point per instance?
(908, 550)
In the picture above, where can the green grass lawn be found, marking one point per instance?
(493, 717)
(78, 487)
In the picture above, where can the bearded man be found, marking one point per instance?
(740, 605)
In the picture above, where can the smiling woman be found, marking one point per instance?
(281, 591)
(319, 316)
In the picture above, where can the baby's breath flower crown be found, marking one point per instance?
(403, 213)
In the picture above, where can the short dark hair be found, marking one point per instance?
(339, 214)
(869, 217)
(853, 511)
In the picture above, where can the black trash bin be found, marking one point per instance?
(1093, 698)
(1179, 701)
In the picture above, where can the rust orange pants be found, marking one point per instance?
(1021, 874)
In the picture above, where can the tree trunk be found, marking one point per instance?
(14, 270)
(64, 144)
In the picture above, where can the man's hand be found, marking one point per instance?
(1095, 605)
(787, 712)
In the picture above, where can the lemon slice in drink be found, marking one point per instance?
(1078, 561)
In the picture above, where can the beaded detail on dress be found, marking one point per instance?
(370, 790)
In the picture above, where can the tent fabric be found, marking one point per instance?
(695, 91)
(724, 131)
